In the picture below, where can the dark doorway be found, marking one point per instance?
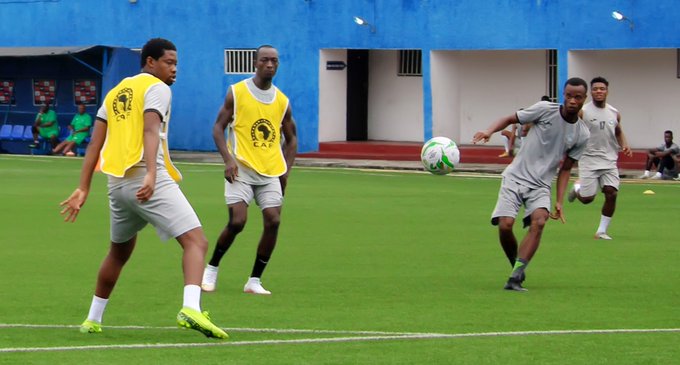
(357, 95)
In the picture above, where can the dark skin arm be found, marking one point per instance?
(499, 125)
(224, 117)
(72, 205)
(621, 138)
(290, 145)
(562, 182)
(152, 126)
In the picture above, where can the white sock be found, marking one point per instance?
(658, 174)
(646, 172)
(506, 143)
(97, 309)
(604, 224)
(577, 186)
(192, 297)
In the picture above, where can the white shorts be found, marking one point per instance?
(512, 195)
(266, 196)
(168, 210)
(594, 180)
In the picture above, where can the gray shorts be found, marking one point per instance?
(512, 196)
(594, 180)
(167, 210)
(266, 196)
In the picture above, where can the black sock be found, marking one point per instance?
(261, 262)
(217, 256)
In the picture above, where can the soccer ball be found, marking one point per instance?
(440, 155)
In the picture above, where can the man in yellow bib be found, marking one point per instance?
(130, 140)
(257, 161)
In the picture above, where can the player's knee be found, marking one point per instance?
(586, 199)
(272, 223)
(236, 225)
(505, 226)
(538, 221)
(611, 194)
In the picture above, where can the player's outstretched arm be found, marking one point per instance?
(72, 205)
(499, 125)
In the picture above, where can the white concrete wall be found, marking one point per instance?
(332, 97)
(643, 86)
(472, 89)
(395, 103)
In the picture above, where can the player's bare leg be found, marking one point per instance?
(238, 215)
(527, 249)
(109, 272)
(507, 238)
(271, 218)
(608, 208)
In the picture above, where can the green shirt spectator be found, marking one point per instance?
(46, 126)
(80, 129)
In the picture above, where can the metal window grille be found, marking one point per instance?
(410, 62)
(239, 61)
(551, 71)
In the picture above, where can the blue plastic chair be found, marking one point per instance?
(28, 133)
(17, 133)
(5, 132)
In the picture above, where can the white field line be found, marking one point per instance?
(390, 337)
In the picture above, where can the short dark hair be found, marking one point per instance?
(155, 48)
(545, 98)
(576, 81)
(257, 52)
(669, 132)
(599, 79)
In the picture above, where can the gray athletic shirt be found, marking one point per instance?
(602, 150)
(544, 146)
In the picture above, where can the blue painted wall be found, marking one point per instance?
(202, 29)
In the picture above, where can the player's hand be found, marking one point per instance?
(480, 136)
(145, 192)
(230, 171)
(558, 213)
(627, 151)
(72, 205)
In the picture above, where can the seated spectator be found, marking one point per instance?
(664, 158)
(80, 129)
(46, 126)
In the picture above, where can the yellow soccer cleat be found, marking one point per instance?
(90, 327)
(193, 319)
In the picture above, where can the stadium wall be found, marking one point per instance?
(300, 29)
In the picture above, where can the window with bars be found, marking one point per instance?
(551, 73)
(85, 92)
(410, 62)
(7, 92)
(239, 61)
(44, 91)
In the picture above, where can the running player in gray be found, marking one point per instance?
(555, 134)
(597, 167)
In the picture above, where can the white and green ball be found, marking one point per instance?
(440, 155)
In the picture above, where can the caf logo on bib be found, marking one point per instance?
(263, 134)
(122, 104)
